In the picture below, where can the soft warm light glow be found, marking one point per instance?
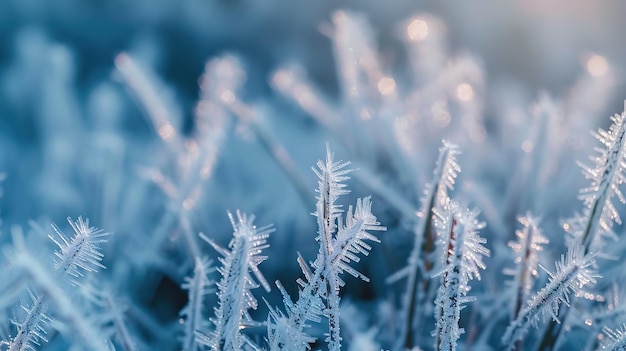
(227, 96)
(465, 92)
(387, 86)
(282, 78)
(597, 66)
(478, 134)
(203, 106)
(404, 122)
(365, 114)
(527, 146)
(442, 119)
(188, 204)
(441, 115)
(205, 172)
(302, 94)
(191, 146)
(417, 30)
(166, 131)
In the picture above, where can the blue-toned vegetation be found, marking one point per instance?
(459, 220)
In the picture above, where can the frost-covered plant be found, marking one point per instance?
(461, 254)
(75, 256)
(239, 264)
(596, 222)
(573, 272)
(527, 247)
(31, 329)
(199, 286)
(80, 253)
(606, 175)
(420, 261)
(340, 241)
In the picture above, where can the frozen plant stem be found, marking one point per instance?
(461, 251)
(75, 256)
(435, 195)
(288, 332)
(198, 287)
(157, 112)
(121, 330)
(330, 188)
(65, 306)
(234, 289)
(572, 273)
(600, 213)
(340, 240)
(270, 143)
(31, 330)
(447, 242)
(606, 178)
(526, 250)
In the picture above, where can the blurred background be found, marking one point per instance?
(57, 58)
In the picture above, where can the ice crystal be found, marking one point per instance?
(573, 272)
(461, 255)
(529, 245)
(239, 264)
(606, 175)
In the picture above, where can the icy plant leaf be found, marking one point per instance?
(81, 253)
(461, 252)
(529, 243)
(239, 264)
(573, 272)
(198, 286)
(606, 175)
